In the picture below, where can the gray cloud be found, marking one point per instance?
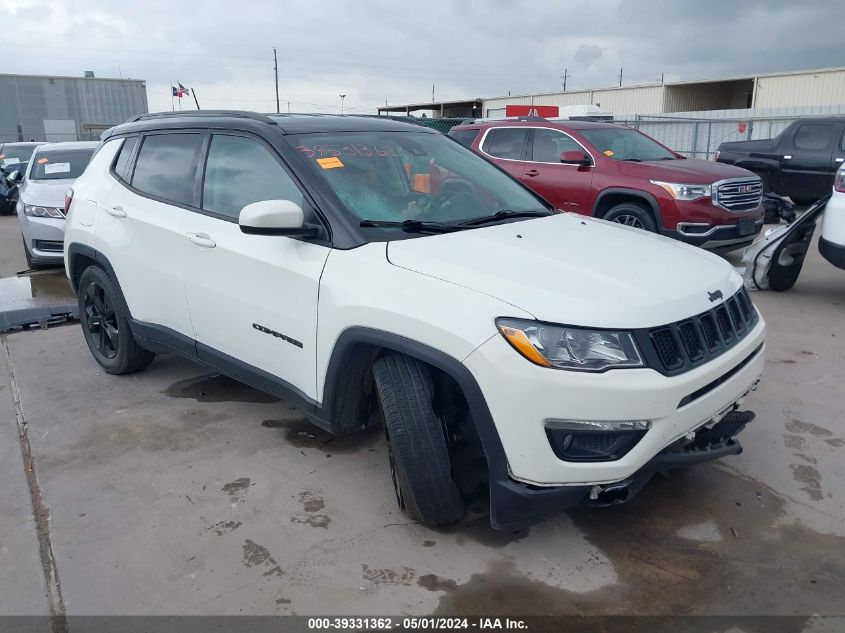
(586, 54)
(377, 49)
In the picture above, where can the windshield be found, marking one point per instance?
(59, 164)
(12, 155)
(626, 144)
(399, 176)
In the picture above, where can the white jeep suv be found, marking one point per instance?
(371, 271)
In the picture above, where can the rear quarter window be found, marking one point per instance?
(464, 137)
(121, 163)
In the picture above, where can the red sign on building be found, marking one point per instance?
(532, 110)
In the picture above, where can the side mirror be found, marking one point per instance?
(575, 157)
(14, 176)
(275, 217)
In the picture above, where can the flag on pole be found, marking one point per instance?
(180, 92)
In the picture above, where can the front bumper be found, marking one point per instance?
(514, 505)
(44, 237)
(521, 396)
(719, 236)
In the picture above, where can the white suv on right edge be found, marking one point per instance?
(372, 272)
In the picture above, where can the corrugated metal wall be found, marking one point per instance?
(805, 89)
(619, 101)
(25, 103)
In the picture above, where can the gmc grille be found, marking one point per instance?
(739, 195)
(681, 346)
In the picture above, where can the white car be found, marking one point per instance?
(42, 196)
(832, 240)
(373, 271)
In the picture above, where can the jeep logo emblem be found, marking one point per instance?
(714, 296)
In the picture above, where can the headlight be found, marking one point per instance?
(684, 192)
(570, 348)
(42, 212)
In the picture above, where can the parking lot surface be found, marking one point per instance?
(174, 491)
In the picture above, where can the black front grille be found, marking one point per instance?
(678, 347)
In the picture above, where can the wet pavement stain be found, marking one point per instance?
(311, 502)
(223, 527)
(302, 434)
(185, 432)
(236, 489)
(764, 566)
(384, 576)
(217, 388)
(255, 554)
(429, 543)
(799, 426)
(475, 526)
(811, 478)
(433, 582)
(36, 290)
(311, 505)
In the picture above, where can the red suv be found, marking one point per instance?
(619, 174)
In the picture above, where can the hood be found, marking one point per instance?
(575, 270)
(689, 171)
(759, 145)
(48, 193)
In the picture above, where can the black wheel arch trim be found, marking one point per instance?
(633, 193)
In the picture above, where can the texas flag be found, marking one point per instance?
(180, 92)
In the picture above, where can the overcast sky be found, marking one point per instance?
(372, 50)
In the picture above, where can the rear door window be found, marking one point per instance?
(813, 136)
(167, 166)
(548, 145)
(506, 142)
(464, 137)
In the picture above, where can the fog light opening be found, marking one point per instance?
(594, 440)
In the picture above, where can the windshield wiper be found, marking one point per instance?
(412, 226)
(503, 215)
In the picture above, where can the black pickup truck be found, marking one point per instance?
(800, 162)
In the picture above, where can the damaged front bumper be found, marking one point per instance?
(515, 505)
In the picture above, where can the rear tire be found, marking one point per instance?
(105, 324)
(632, 214)
(419, 452)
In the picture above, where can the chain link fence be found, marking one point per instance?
(699, 138)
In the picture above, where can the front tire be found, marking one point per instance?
(105, 324)
(419, 453)
(632, 214)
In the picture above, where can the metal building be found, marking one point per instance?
(45, 108)
(802, 92)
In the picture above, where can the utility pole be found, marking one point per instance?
(342, 97)
(661, 77)
(620, 77)
(432, 93)
(276, 70)
(565, 76)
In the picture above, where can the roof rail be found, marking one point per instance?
(238, 114)
(523, 119)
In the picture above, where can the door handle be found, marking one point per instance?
(201, 239)
(116, 211)
(839, 160)
(532, 172)
(787, 157)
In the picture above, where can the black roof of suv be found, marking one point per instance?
(285, 123)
